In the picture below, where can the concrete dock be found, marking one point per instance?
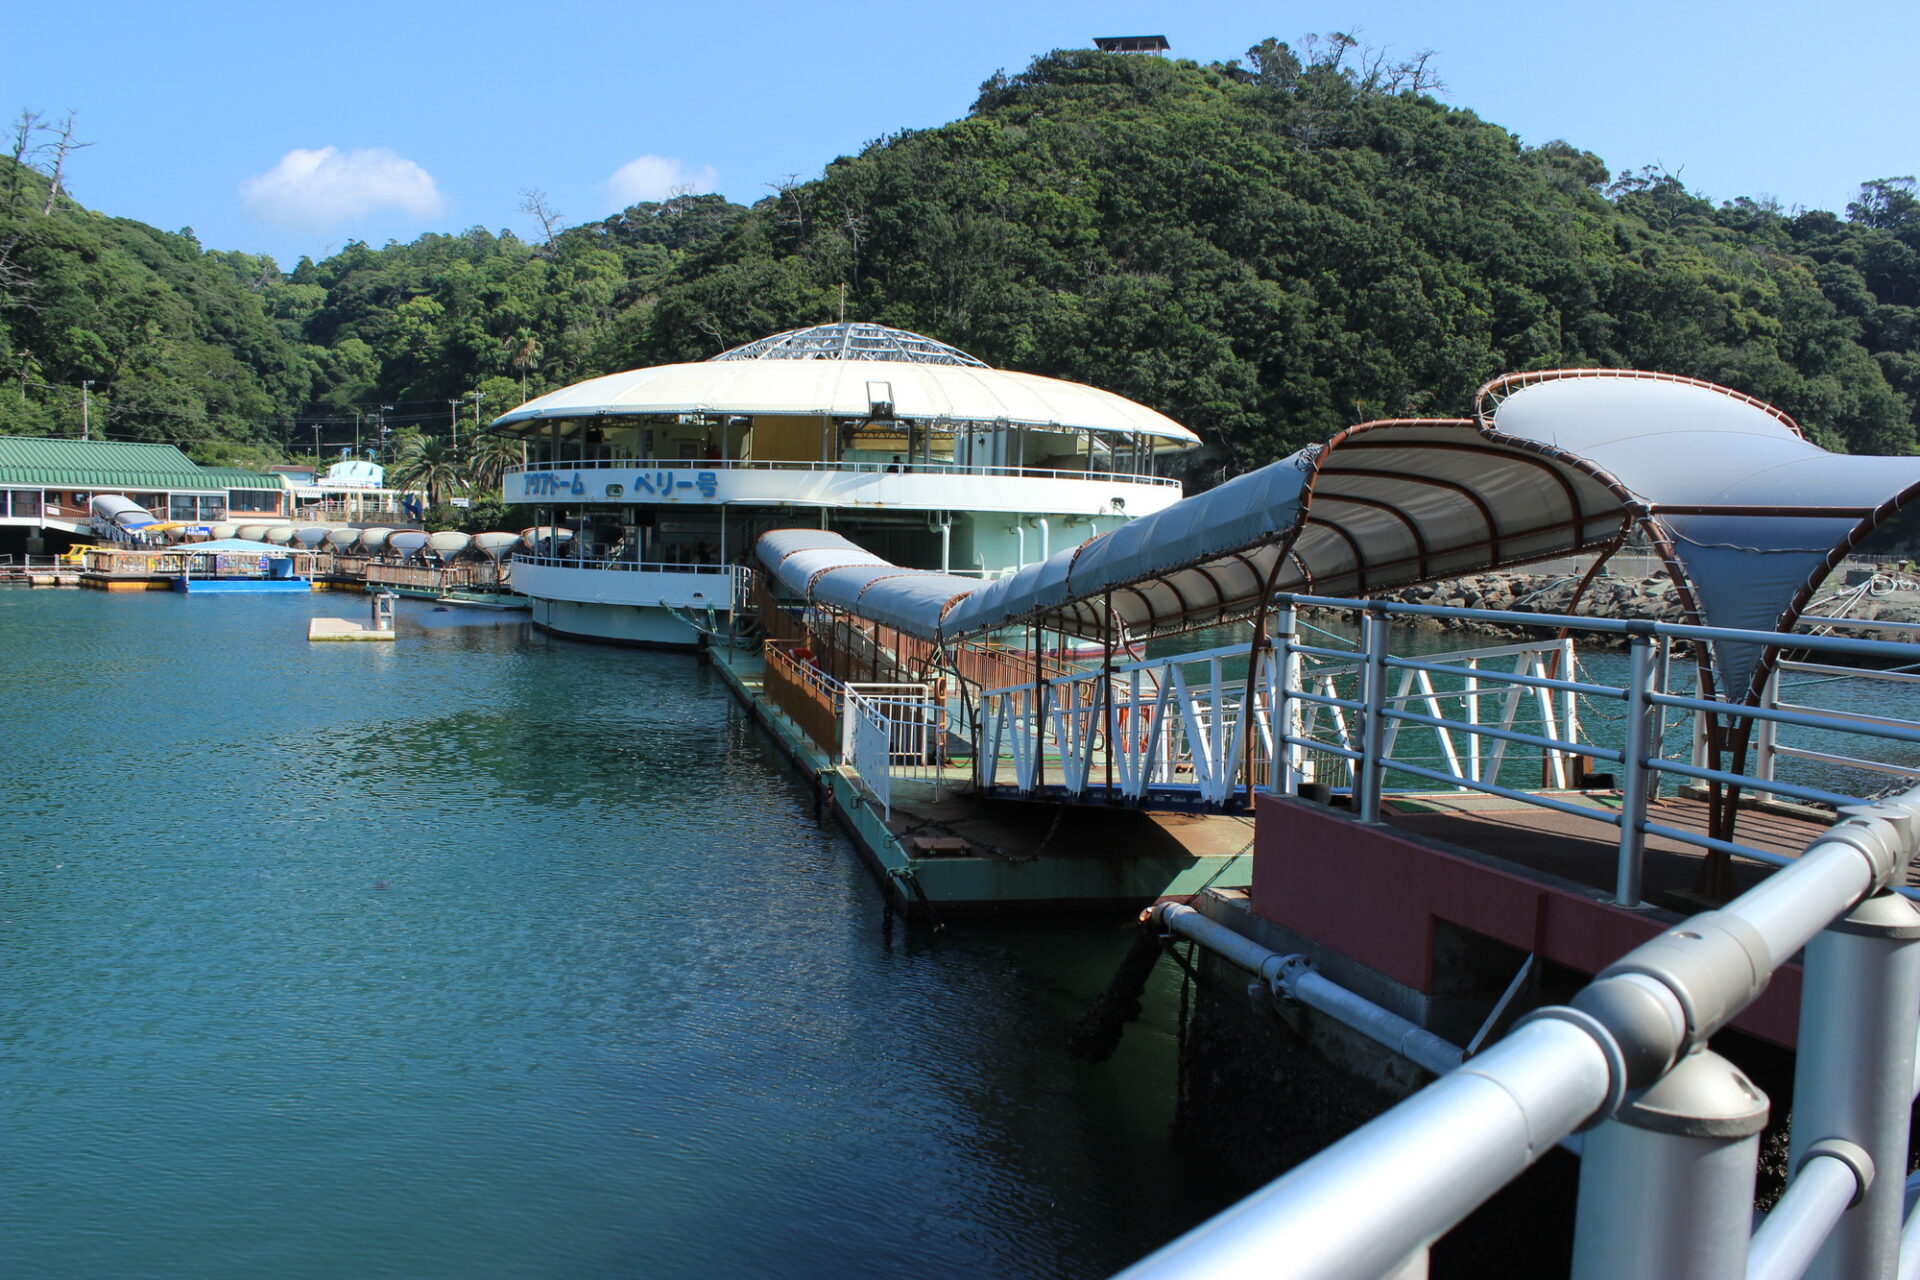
(943, 850)
(346, 629)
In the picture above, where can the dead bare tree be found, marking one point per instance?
(62, 146)
(793, 210)
(534, 203)
(26, 146)
(1416, 75)
(856, 228)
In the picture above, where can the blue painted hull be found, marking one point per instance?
(200, 586)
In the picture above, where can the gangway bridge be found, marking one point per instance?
(1324, 699)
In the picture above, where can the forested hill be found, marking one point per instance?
(1267, 251)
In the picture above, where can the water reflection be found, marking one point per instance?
(487, 954)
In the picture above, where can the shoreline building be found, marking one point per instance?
(652, 486)
(47, 487)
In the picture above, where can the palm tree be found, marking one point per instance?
(427, 462)
(523, 354)
(488, 460)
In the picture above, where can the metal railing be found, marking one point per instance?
(892, 731)
(809, 696)
(472, 574)
(629, 566)
(868, 468)
(1184, 722)
(1672, 1129)
(342, 511)
(1792, 676)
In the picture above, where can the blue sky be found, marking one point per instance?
(293, 128)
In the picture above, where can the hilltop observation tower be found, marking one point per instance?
(1156, 45)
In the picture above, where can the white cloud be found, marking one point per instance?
(324, 189)
(656, 178)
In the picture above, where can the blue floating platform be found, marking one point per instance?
(202, 586)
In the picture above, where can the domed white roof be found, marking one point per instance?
(852, 341)
(845, 371)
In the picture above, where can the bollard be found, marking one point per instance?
(1666, 1185)
(1285, 777)
(1640, 743)
(1374, 630)
(1853, 1080)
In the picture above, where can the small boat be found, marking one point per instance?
(408, 543)
(500, 601)
(448, 544)
(495, 546)
(373, 541)
(546, 534)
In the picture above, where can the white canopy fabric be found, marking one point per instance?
(839, 389)
(1555, 463)
(1383, 505)
(1754, 513)
(824, 566)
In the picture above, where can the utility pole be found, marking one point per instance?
(356, 431)
(453, 421)
(478, 396)
(316, 449)
(86, 410)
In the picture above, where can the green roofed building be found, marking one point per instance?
(46, 486)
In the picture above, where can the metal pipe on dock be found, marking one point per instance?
(1294, 977)
(1410, 1176)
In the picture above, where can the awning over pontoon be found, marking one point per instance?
(819, 565)
(1382, 506)
(1755, 513)
(1555, 464)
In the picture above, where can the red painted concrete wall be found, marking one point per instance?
(1374, 894)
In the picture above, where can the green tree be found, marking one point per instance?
(427, 463)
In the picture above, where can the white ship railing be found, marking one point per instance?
(629, 566)
(865, 467)
(1672, 1130)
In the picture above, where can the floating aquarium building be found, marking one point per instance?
(665, 477)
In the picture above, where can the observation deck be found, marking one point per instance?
(908, 486)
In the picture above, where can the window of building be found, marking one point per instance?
(256, 501)
(181, 506)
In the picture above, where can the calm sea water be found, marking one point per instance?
(484, 955)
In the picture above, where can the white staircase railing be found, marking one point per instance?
(1180, 725)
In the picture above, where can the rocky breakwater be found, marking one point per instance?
(1635, 599)
(1851, 593)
